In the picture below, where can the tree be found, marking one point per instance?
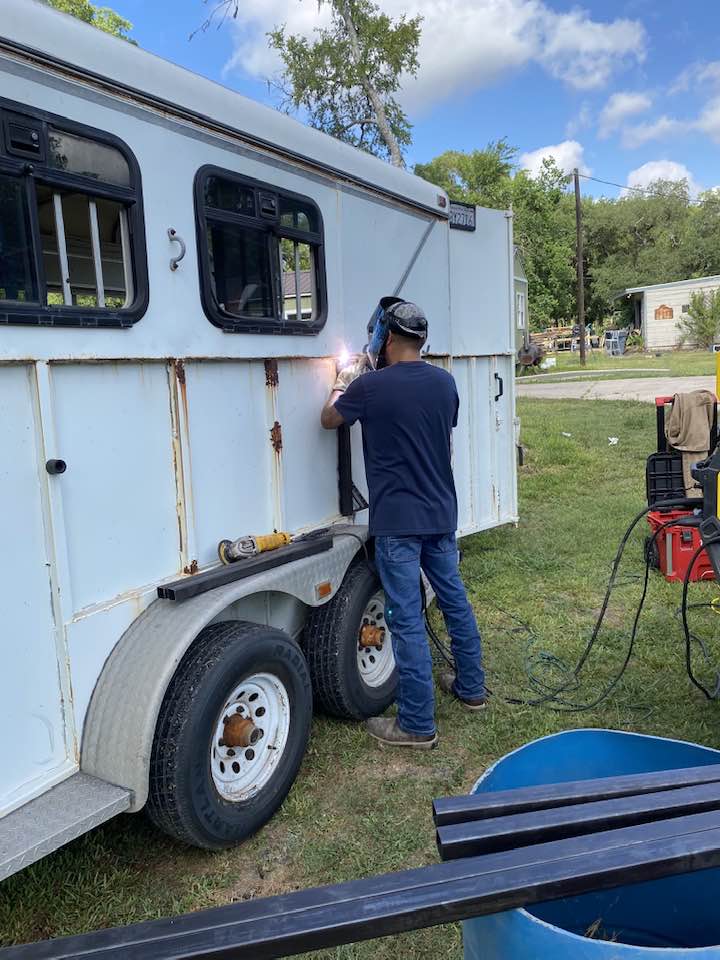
(481, 177)
(104, 18)
(702, 326)
(543, 217)
(345, 81)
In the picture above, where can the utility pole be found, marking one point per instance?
(580, 270)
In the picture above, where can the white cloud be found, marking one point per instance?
(579, 122)
(567, 155)
(661, 170)
(619, 107)
(585, 52)
(661, 129)
(466, 44)
(696, 74)
(709, 120)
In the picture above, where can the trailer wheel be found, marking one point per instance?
(351, 679)
(230, 736)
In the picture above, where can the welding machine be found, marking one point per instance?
(671, 546)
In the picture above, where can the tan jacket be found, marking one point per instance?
(687, 429)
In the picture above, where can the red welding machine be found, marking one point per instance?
(673, 548)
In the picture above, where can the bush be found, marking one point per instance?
(702, 324)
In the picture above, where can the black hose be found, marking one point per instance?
(553, 696)
(686, 627)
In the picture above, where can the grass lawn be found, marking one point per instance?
(356, 810)
(676, 363)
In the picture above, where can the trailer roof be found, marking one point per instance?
(671, 283)
(64, 40)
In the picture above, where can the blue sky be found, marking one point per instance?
(626, 89)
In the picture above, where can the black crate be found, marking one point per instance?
(664, 477)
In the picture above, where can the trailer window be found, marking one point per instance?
(72, 223)
(261, 256)
(18, 280)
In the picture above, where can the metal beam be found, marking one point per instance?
(217, 577)
(444, 893)
(539, 826)
(478, 806)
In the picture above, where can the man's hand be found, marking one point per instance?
(346, 376)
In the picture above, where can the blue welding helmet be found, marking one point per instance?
(377, 328)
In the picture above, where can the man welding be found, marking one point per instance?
(407, 409)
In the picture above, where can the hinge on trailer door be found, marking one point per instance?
(359, 501)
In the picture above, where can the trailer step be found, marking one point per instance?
(62, 814)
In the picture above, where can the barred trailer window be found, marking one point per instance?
(261, 256)
(72, 247)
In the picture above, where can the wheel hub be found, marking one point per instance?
(250, 736)
(239, 731)
(372, 636)
(375, 657)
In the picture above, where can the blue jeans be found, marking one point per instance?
(399, 561)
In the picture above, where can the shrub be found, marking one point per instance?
(702, 324)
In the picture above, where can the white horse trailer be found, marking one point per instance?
(179, 269)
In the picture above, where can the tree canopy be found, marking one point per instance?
(345, 79)
(104, 18)
(647, 237)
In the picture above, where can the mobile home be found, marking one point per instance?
(659, 309)
(179, 270)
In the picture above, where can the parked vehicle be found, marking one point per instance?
(179, 270)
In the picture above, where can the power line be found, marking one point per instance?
(645, 192)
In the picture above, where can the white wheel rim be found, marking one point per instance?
(239, 773)
(375, 664)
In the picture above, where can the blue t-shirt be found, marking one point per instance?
(407, 412)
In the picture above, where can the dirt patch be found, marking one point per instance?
(259, 880)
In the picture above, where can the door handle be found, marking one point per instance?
(501, 387)
(175, 237)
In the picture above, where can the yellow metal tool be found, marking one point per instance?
(230, 551)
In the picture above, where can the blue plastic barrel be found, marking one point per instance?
(671, 918)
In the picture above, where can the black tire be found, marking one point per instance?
(330, 641)
(183, 800)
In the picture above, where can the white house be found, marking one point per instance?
(660, 307)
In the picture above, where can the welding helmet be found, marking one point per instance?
(380, 310)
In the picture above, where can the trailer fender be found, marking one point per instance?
(120, 725)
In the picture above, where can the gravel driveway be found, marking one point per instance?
(638, 388)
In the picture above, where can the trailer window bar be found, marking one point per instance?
(62, 250)
(262, 265)
(126, 258)
(86, 236)
(97, 257)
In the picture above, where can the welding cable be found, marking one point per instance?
(554, 694)
(686, 627)
(700, 641)
(442, 648)
(551, 696)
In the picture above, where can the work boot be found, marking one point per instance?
(387, 731)
(446, 682)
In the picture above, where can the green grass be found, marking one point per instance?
(357, 810)
(675, 363)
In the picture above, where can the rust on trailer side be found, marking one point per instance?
(276, 437)
(272, 377)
